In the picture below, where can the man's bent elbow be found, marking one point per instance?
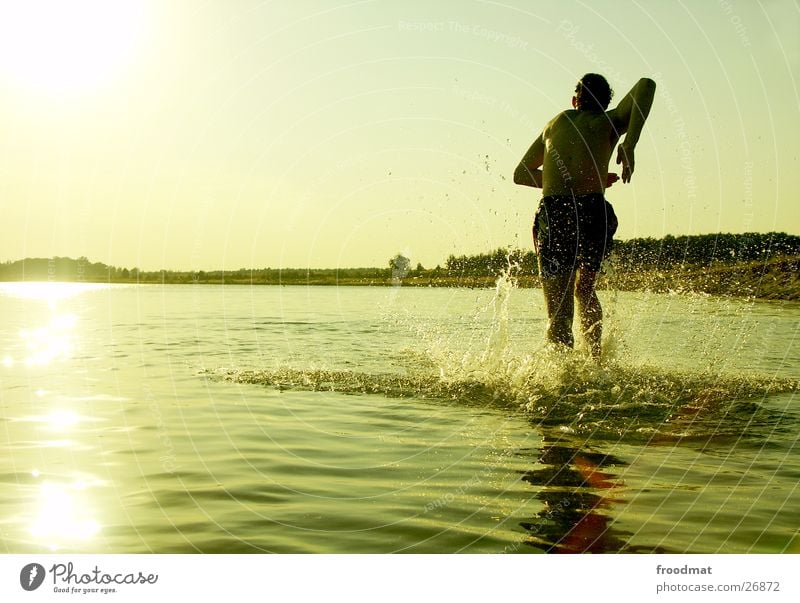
(647, 84)
(521, 175)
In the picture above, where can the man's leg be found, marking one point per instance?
(590, 312)
(560, 308)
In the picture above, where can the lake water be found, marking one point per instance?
(322, 419)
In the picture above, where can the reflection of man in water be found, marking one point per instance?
(574, 225)
(578, 501)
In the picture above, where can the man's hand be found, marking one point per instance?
(611, 179)
(625, 157)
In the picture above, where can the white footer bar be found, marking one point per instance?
(406, 578)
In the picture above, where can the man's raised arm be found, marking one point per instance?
(629, 117)
(528, 172)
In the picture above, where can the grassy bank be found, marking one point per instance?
(774, 279)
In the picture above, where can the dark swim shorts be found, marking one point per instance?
(573, 232)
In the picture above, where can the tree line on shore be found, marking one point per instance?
(634, 255)
(646, 254)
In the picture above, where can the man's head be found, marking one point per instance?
(592, 93)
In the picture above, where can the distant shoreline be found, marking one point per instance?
(776, 279)
(748, 265)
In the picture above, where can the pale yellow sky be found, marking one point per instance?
(227, 134)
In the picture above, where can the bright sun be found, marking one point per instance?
(63, 46)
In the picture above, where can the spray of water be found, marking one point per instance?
(557, 388)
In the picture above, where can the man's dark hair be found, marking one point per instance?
(593, 93)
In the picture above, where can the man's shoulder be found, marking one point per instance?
(612, 115)
(601, 119)
(570, 113)
(573, 119)
(566, 115)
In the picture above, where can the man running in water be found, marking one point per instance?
(574, 224)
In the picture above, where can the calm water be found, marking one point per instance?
(305, 419)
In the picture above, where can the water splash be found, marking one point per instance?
(572, 395)
(497, 344)
(556, 388)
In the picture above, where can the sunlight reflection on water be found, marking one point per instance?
(51, 342)
(54, 337)
(48, 291)
(62, 514)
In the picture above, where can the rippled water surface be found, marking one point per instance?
(312, 419)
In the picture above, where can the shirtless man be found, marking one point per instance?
(574, 225)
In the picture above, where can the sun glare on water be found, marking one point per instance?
(44, 291)
(62, 46)
(62, 515)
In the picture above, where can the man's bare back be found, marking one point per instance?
(577, 149)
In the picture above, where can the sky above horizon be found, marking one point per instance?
(224, 134)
